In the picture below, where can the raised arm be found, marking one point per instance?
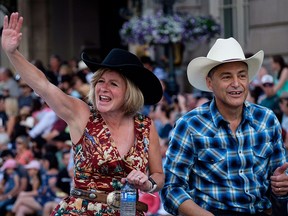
(65, 106)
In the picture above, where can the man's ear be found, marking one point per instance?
(209, 83)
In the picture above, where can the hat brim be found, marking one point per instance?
(32, 166)
(8, 165)
(143, 78)
(199, 68)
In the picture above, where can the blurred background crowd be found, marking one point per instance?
(35, 146)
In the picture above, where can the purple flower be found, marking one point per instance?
(160, 29)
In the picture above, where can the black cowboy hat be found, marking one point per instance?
(130, 66)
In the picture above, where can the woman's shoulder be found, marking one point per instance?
(140, 117)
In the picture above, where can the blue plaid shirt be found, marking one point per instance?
(215, 168)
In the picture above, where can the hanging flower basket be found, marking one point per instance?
(160, 29)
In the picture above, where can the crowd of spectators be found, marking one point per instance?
(35, 146)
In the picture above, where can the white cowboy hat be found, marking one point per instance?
(223, 51)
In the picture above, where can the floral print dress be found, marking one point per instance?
(99, 166)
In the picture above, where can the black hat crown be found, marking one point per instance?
(130, 66)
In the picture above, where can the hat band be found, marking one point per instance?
(235, 59)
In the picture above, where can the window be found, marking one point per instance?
(234, 17)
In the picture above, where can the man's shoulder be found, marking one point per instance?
(260, 115)
(202, 111)
(257, 108)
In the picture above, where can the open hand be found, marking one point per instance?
(279, 181)
(11, 35)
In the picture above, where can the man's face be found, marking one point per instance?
(283, 103)
(268, 89)
(230, 84)
(66, 158)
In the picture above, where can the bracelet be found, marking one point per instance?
(154, 185)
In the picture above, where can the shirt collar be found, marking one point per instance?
(218, 119)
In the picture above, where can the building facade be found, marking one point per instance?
(68, 27)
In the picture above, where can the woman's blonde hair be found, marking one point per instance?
(134, 99)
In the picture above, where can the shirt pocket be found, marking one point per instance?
(211, 164)
(262, 153)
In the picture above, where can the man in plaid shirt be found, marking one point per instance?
(227, 156)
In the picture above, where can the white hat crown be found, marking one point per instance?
(226, 49)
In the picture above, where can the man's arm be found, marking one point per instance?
(175, 193)
(190, 208)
